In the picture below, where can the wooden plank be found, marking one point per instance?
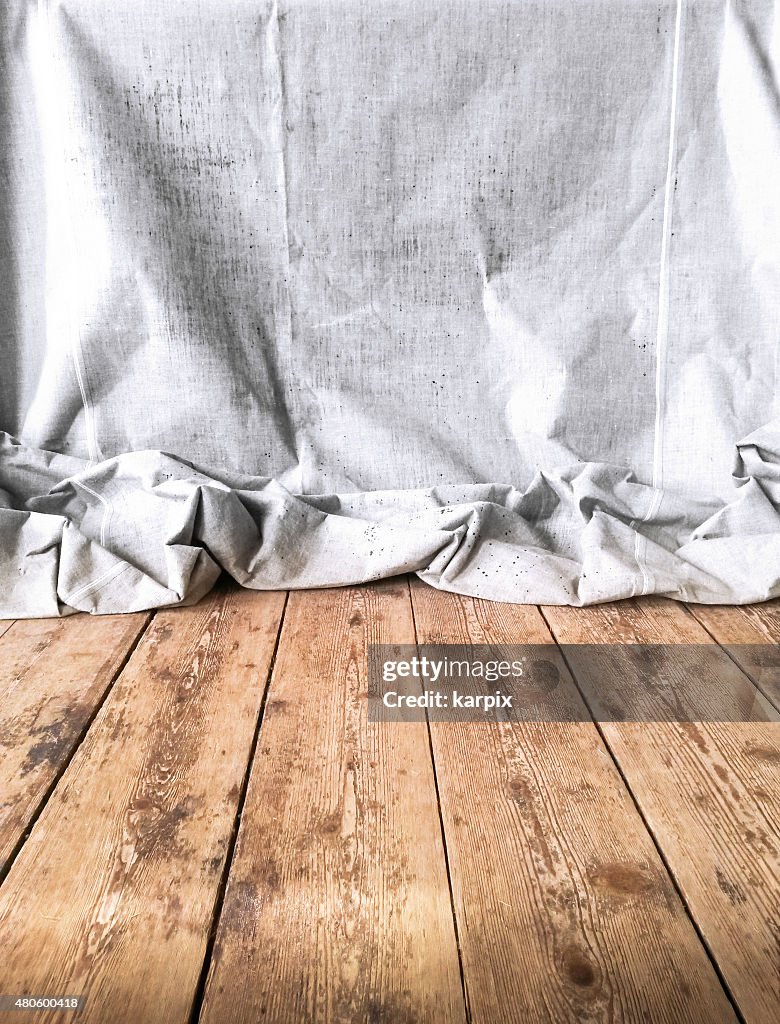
(337, 906)
(53, 675)
(565, 911)
(709, 791)
(113, 894)
(5, 625)
(751, 634)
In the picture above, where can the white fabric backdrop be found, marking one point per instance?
(483, 290)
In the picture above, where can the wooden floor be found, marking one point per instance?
(199, 823)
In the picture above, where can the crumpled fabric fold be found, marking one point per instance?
(148, 530)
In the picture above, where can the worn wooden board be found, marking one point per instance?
(565, 911)
(710, 793)
(112, 895)
(337, 907)
(751, 635)
(53, 675)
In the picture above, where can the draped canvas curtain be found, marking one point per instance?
(320, 291)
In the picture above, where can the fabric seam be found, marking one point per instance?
(662, 320)
(283, 110)
(107, 510)
(662, 323)
(95, 453)
(97, 584)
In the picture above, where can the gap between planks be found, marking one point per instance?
(197, 1002)
(458, 942)
(54, 677)
(750, 636)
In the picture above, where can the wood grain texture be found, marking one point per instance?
(113, 893)
(53, 675)
(751, 635)
(5, 625)
(565, 911)
(710, 792)
(337, 907)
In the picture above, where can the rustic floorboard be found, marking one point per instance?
(565, 910)
(53, 675)
(751, 635)
(710, 793)
(337, 906)
(112, 895)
